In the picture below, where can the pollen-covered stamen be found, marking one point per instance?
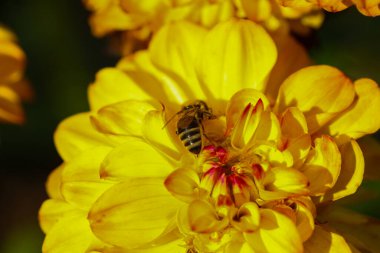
(225, 178)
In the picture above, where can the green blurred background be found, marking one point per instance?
(63, 58)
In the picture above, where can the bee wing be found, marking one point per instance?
(185, 121)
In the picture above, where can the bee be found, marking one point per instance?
(189, 126)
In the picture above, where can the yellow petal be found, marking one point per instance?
(279, 183)
(142, 7)
(323, 240)
(268, 129)
(113, 85)
(299, 148)
(174, 49)
(212, 13)
(322, 166)
(247, 124)
(239, 101)
(274, 156)
(133, 213)
(238, 246)
(247, 218)
(124, 118)
(236, 54)
(256, 10)
(134, 159)
(159, 136)
(113, 18)
(293, 123)
(12, 60)
(183, 184)
(71, 234)
(54, 183)
(81, 183)
(94, 5)
(294, 135)
(172, 246)
(304, 217)
(75, 135)
(53, 210)
(320, 92)
(10, 106)
(291, 57)
(23, 89)
(368, 7)
(163, 88)
(277, 233)
(351, 173)
(361, 117)
(203, 217)
(332, 5)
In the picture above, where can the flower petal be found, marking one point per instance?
(361, 117)
(183, 184)
(203, 217)
(277, 233)
(54, 183)
(323, 240)
(268, 129)
(322, 166)
(117, 20)
(351, 173)
(247, 218)
(131, 213)
(256, 10)
(293, 123)
(305, 217)
(299, 148)
(291, 57)
(332, 5)
(279, 183)
(123, 118)
(10, 106)
(53, 210)
(134, 159)
(157, 83)
(274, 156)
(113, 85)
(173, 246)
(239, 101)
(71, 234)
(12, 60)
(159, 136)
(81, 183)
(236, 54)
(368, 7)
(174, 49)
(75, 135)
(247, 124)
(320, 92)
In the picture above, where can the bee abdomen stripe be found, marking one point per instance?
(192, 139)
(194, 145)
(188, 131)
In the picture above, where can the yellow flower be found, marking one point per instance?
(139, 19)
(13, 88)
(270, 154)
(366, 7)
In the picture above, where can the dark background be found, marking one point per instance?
(63, 58)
